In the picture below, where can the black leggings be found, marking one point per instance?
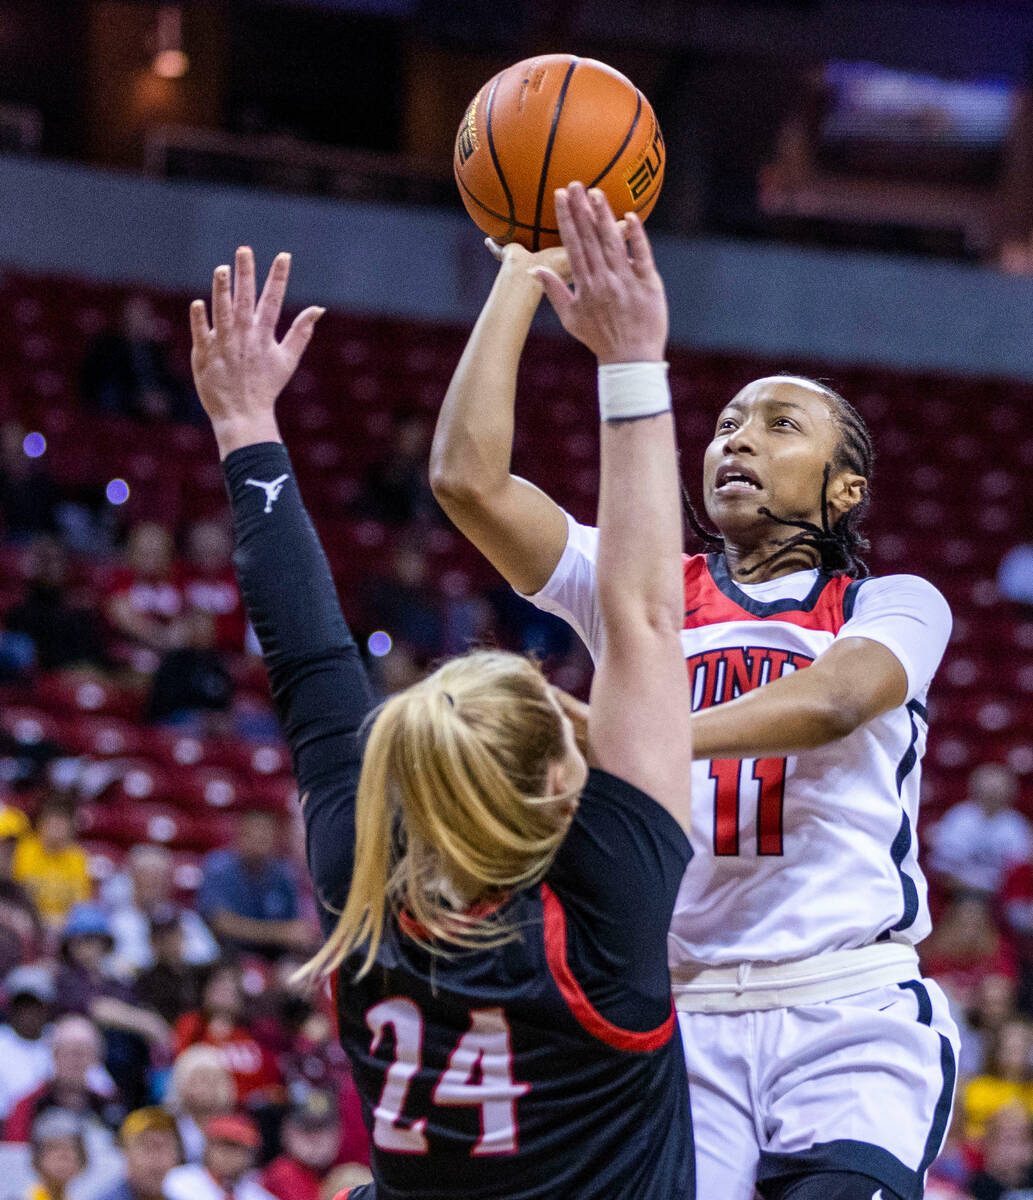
(828, 1185)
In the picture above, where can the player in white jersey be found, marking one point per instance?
(822, 1065)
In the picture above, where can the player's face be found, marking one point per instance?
(770, 447)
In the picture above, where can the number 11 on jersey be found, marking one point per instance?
(767, 776)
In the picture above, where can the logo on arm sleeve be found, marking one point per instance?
(272, 489)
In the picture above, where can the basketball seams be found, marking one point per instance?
(514, 224)
(495, 160)
(548, 152)
(522, 127)
(623, 146)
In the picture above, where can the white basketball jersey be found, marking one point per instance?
(817, 851)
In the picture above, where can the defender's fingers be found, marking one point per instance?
(199, 330)
(222, 300)
(570, 237)
(610, 241)
(244, 285)
(638, 245)
(584, 220)
(494, 249)
(559, 294)
(271, 302)
(300, 333)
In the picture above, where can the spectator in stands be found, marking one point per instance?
(401, 603)
(311, 1136)
(171, 985)
(150, 1142)
(993, 1003)
(28, 495)
(210, 583)
(64, 632)
(49, 863)
(76, 1085)
(86, 986)
(964, 946)
(58, 1153)
(248, 895)
(19, 920)
(202, 1088)
(146, 605)
(979, 840)
(1007, 1155)
(221, 1022)
(26, 1060)
(1007, 1078)
(397, 487)
(314, 1061)
(126, 370)
(135, 894)
(231, 1148)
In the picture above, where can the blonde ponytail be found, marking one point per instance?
(452, 802)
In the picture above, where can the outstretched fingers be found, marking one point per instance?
(271, 302)
(608, 232)
(222, 300)
(639, 249)
(199, 329)
(244, 286)
(300, 333)
(570, 236)
(583, 219)
(560, 296)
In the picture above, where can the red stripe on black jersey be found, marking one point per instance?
(588, 1017)
(712, 598)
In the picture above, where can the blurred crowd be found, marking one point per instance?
(152, 1043)
(979, 859)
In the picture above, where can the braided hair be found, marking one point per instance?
(840, 543)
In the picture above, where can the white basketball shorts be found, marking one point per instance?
(863, 1084)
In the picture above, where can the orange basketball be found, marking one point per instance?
(546, 122)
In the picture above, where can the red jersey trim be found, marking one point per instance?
(708, 603)
(584, 1013)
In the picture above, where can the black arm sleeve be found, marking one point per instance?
(319, 684)
(617, 875)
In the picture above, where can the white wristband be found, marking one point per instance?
(635, 389)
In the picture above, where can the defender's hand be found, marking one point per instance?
(239, 367)
(618, 307)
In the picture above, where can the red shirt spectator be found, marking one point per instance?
(210, 584)
(219, 1023)
(146, 604)
(311, 1135)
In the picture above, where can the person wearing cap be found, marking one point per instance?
(231, 1147)
(24, 1050)
(311, 1137)
(19, 920)
(58, 1153)
(150, 1142)
(86, 986)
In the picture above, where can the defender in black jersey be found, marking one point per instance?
(548, 1066)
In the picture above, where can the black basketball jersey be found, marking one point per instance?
(547, 1068)
(493, 1073)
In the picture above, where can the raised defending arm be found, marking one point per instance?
(639, 723)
